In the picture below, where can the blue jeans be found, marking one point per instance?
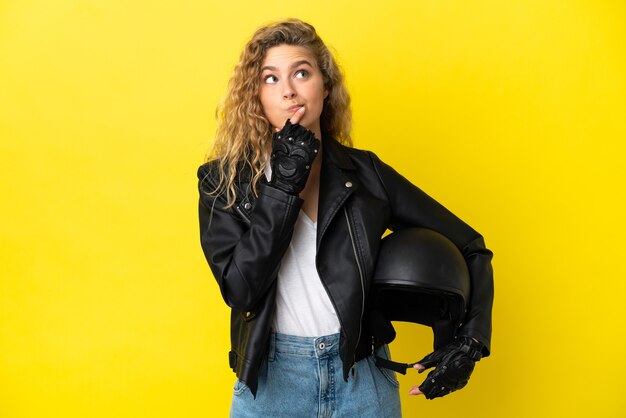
(303, 377)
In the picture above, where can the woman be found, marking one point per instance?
(291, 219)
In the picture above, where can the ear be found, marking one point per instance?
(325, 93)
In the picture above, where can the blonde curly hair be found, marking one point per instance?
(244, 133)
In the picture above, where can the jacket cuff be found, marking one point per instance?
(474, 333)
(266, 190)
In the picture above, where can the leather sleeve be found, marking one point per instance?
(411, 207)
(244, 258)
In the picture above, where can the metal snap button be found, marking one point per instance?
(247, 205)
(348, 184)
(322, 346)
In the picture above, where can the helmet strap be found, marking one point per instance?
(393, 365)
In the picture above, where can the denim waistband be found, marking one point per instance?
(304, 346)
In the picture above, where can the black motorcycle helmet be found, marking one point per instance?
(420, 277)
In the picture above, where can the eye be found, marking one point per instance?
(302, 74)
(270, 79)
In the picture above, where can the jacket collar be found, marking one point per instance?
(337, 182)
(335, 153)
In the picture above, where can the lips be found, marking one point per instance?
(294, 108)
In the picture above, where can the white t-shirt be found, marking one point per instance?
(303, 307)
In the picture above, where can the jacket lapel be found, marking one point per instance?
(337, 182)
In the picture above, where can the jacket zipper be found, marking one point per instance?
(358, 264)
(243, 215)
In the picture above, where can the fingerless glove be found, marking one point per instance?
(293, 150)
(454, 365)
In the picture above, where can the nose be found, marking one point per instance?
(288, 91)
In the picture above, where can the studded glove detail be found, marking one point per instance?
(453, 363)
(293, 150)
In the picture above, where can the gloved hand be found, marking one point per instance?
(454, 365)
(293, 150)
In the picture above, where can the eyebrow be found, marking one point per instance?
(295, 64)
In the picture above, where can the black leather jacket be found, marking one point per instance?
(360, 197)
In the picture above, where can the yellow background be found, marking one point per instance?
(511, 113)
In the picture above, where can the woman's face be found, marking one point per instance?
(291, 79)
